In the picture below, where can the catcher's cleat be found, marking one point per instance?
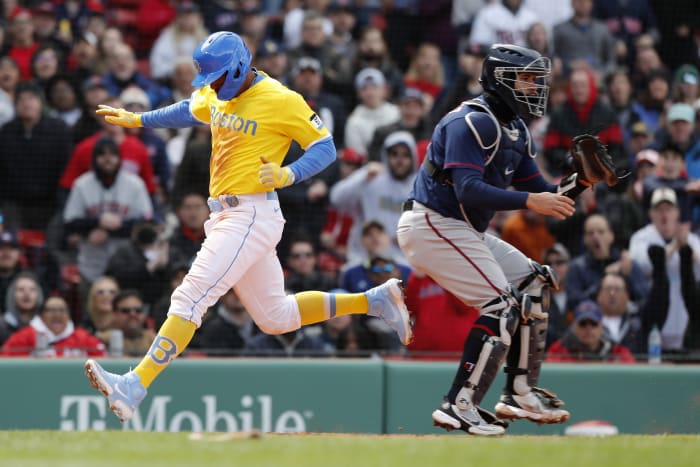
(386, 302)
(123, 392)
(449, 417)
(538, 405)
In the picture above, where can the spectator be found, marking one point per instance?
(583, 111)
(372, 52)
(46, 29)
(23, 300)
(504, 22)
(560, 315)
(646, 160)
(670, 174)
(192, 212)
(336, 230)
(181, 79)
(342, 15)
(47, 62)
(640, 140)
(653, 99)
(336, 68)
(159, 311)
(601, 256)
(132, 152)
(357, 340)
(302, 273)
(177, 40)
(130, 317)
(413, 117)
(550, 14)
(293, 27)
(685, 85)
(626, 21)
(83, 58)
(271, 58)
(93, 93)
(666, 231)
(254, 23)
(22, 45)
(102, 207)
(63, 100)
(51, 333)
(142, 263)
(10, 265)
(375, 244)
(98, 316)
(586, 340)
(466, 85)
(136, 100)
(620, 95)
(679, 129)
(527, 231)
(621, 319)
(425, 72)
(373, 111)
(122, 73)
(9, 77)
(192, 172)
(36, 146)
(228, 329)
(584, 39)
(307, 80)
(298, 343)
(377, 190)
(441, 320)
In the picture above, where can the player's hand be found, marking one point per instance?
(120, 117)
(271, 175)
(551, 204)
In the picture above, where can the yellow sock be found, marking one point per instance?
(315, 307)
(173, 337)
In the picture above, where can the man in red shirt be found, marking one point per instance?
(22, 45)
(133, 152)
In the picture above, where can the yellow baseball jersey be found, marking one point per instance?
(262, 121)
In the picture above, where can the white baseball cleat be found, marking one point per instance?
(449, 417)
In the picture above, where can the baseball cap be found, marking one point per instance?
(351, 156)
(640, 128)
(650, 156)
(9, 238)
(135, 95)
(43, 8)
(588, 309)
(187, 7)
(269, 47)
(19, 12)
(369, 76)
(93, 82)
(307, 63)
(558, 249)
(687, 74)
(663, 195)
(411, 93)
(88, 37)
(680, 111)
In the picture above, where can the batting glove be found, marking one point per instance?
(271, 175)
(120, 117)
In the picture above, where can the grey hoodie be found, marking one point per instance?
(377, 199)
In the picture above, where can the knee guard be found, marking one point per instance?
(537, 285)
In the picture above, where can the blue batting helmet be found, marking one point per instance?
(500, 72)
(219, 53)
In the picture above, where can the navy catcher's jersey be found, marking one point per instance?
(483, 159)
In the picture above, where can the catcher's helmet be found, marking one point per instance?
(219, 53)
(500, 73)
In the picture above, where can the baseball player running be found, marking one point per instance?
(476, 152)
(253, 119)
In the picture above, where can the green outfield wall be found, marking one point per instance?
(333, 395)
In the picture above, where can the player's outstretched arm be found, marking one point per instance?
(177, 115)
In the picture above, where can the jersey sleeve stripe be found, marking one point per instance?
(463, 164)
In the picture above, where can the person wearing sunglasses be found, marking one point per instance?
(129, 313)
(302, 273)
(586, 339)
(560, 315)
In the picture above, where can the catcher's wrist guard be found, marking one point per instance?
(571, 186)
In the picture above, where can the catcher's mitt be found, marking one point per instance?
(592, 161)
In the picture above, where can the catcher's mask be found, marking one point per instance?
(499, 75)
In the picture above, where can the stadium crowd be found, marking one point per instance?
(99, 224)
